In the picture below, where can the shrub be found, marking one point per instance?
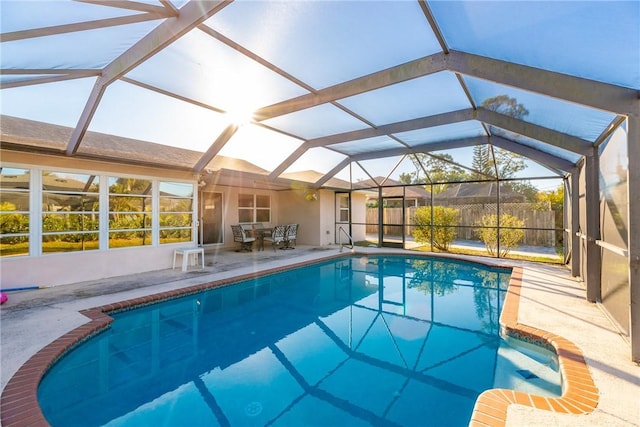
(445, 221)
(13, 223)
(509, 237)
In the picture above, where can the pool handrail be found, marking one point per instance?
(342, 231)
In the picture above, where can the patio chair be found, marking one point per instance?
(291, 234)
(277, 236)
(241, 237)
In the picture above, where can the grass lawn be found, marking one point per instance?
(551, 259)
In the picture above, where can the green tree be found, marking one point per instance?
(407, 177)
(554, 197)
(506, 163)
(482, 162)
(445, 221)
(556, 200)
(440, 169)
(509, 237)
(11, 223)
(434, 277)
(504, 104)
(487, 289)
(529, 191)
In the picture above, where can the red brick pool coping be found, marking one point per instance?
(19, 402)
(579, 393)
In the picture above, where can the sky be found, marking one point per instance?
(299, 41)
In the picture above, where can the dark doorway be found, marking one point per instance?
(212, 218)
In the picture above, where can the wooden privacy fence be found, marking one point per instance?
(534, 215)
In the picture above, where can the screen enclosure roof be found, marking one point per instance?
(323, 92)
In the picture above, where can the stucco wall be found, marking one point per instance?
(358, 216)
(65, 268)
(230, 206)
(315, 218)
(326, 225)
(293, 207)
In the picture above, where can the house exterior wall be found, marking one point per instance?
(230, 206)
(312, 216)
(327, 221)
(358, 216)
(63, 268)
(70, 267)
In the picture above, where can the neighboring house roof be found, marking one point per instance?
(311, 176)
(49, 182)
(393, 188)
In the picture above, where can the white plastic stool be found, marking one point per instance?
(186, 253)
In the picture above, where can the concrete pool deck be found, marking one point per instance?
(550, 300)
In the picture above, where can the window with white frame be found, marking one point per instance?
(70, 212)
(254, 208)
(176, 212)
(130, 212)
(343, 207)
(65, 211)
(14, 211)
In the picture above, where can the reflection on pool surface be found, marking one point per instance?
(356, 341)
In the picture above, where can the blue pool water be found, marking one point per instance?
(385, 341)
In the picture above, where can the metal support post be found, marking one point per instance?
(574, 222)
(593, 255)
(633, 185)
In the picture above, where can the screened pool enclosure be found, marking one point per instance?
(498, 128)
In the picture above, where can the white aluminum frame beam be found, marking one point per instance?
(603, 96)
(410, 70)
(191, 15)
(541, 157)
(393, 128)
(165, 10)
(548, 136)
(330, 174)
(537, 132)
(53, 75)
(215, 148)
(587, 92)
(80, 26)
(542, 134)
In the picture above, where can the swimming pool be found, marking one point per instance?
(354, 341)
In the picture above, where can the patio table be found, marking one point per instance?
(259, 234)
